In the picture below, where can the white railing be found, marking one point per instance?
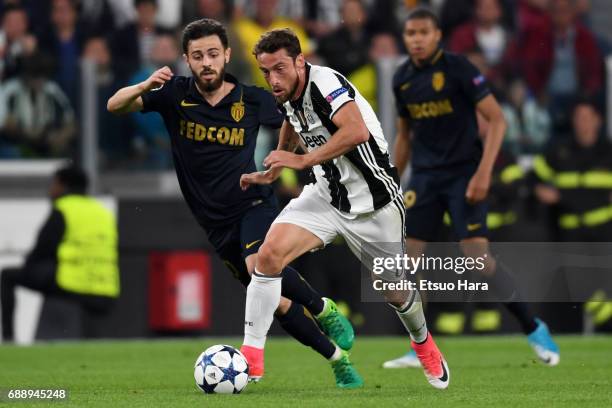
(89, 124)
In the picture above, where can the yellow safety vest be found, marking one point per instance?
(568, 180)
(87, 256)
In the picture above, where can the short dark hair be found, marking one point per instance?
(13, 7)
(278, 39)
(586, 100)
(73, 178)
(423, 13)
(203, 28)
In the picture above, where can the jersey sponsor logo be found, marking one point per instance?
(223, 135)
(480, 79)
(237, 111)
(186, 104)
(314, 140)
(250, 244)
(437, 81)
(329, 98)
(431, 109)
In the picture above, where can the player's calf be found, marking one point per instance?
(263, 298)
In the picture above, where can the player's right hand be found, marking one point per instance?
(158, 78)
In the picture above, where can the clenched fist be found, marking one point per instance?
(158, 78)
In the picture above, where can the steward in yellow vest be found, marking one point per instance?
(87, 255)
(75, 255)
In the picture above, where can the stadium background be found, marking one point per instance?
(85, 50)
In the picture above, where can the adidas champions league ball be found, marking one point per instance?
(221, 369)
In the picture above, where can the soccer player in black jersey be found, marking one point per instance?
(213, 121)
(438, 95)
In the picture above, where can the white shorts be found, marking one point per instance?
(376, 234)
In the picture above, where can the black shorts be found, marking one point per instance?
(243, 238)
(431, 193)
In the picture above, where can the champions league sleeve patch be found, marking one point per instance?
(480, 79)
(329, 98)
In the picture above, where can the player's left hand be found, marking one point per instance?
(259, 177)
(281, 158)
(478, 187)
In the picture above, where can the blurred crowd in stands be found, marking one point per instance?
(538, 54)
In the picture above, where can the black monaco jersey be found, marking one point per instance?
(439, 100)
(212, 146)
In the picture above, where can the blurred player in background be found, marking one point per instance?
(438, 95)
(213, 121)
(356, 193)
(75, 255)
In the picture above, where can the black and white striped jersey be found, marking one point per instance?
(360, 181)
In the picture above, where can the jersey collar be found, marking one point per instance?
(234, 95)
(432, 61)
(298, 101)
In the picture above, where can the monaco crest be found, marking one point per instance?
(437, 81)
(237, 111)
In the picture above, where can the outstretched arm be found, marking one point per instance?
(129, 99)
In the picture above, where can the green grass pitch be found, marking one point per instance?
(485, 371)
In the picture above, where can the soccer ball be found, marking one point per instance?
(221, 369)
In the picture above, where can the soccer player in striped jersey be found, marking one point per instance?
(356, 193)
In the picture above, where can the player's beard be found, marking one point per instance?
(212, 85)
(289, 95)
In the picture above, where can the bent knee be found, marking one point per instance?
(269, 259)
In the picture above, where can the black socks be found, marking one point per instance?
(303, 328)
(294, 287)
